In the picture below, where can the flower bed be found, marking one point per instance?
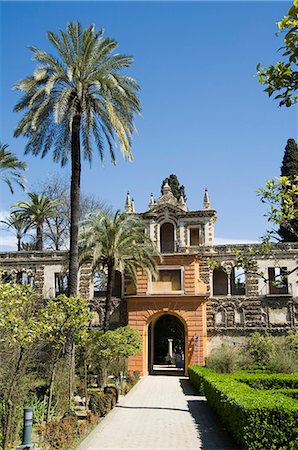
(257, 418)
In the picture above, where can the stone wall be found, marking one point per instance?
(234, 318)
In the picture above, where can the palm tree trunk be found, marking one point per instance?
(74, 206)
(108, 309)
(39, 236)
(19, 238)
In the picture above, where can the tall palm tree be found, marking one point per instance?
(10, 168)
(35, 212)
(78, 99)
(116, 244)
(17, 224)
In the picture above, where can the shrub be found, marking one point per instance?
(283, 360)
(114, 393)
(257, 420)
(265, 381)
(292, 341)
(260, 347)
(226, 359)
(59, 433)
(100, 403)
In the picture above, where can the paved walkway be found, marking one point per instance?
(160, 413)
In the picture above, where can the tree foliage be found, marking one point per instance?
(177, 189)
(289, 168)
(57, 228)
(75, 101)
(35, 212)
(33, 336)
(117, 243)
(20, 329)
(18, 225)
(11, 168)
(280, 194)
(281, 79)
(109, 351)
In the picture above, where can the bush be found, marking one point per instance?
(113, 391)
(257, 420)
(283, 359)
(100, 403)
(129, 382)
(59, 433)
(265, 381)
(226, 359)
(262, 351)
(260, 348)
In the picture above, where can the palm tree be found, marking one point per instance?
(78, 100)
(18, 224)
(10, 168)
(35, 212)
(116, 244)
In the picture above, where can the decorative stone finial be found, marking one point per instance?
(166, 189)
(132, 208)
(206, 200)
(151, 202)
(128, 203)
(181, 200)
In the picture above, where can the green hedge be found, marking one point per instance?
(268, 380)
(257, 419)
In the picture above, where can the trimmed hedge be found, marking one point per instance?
(101, 403)
(268, 380)
(257, 419)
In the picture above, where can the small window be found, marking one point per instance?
(194, 236)
(278, 281)
(100, 284)
(129, 285)
(169, 280)
(167, 238)
(220, 282)
(238, 281)
(61, 283)
(27, 279)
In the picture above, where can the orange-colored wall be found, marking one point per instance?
(190, 307)
(192, 281)
(192, 312)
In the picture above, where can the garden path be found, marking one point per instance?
(160, 413)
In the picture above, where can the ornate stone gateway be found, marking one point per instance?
(166, 343)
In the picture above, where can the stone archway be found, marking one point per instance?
(191, 311)
(166, 343)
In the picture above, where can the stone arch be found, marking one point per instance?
(151, 321)
(192, 313)
(167, 236)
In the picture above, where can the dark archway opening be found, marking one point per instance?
(166, 344)
(167, 238)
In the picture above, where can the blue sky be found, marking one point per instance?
(205, 116)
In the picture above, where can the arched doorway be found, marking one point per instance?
(167, 238)
(166, 344)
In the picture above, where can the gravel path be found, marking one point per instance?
(160, 413)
